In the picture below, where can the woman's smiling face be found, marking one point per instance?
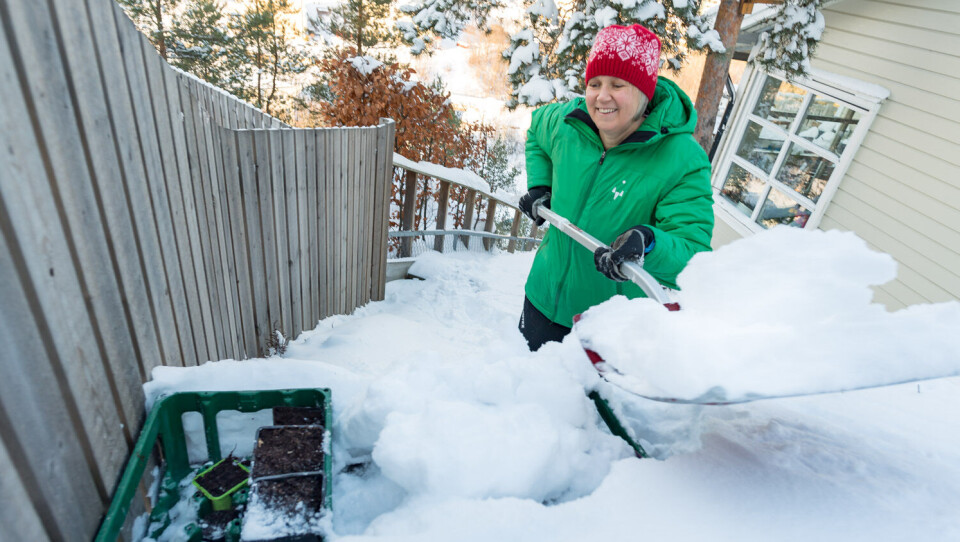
(615, 106)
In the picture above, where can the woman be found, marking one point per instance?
(622, 164)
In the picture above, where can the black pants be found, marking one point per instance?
(537, 329)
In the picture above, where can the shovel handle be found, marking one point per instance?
(633, 270)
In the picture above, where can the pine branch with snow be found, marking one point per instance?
(443, 19)
(796, 31)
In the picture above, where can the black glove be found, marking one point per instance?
(529, 201)
(629, 245)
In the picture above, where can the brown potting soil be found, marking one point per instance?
(214, 525)
(283, 494)
(222, 478)
(288, 449)
(285, 415)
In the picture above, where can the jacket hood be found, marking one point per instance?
(670, 112)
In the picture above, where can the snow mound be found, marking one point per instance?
(780, 313)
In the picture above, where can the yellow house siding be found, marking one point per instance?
(902, 190)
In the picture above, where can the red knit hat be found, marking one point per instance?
(631, 53)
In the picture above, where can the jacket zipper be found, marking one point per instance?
(570, 247)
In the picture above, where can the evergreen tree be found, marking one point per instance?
(431, 19)
(548, 57)
(361, 23)
(199, 43)
(791, 42)
(264, 54)
(154, 18)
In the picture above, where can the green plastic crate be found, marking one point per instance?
(164, 426)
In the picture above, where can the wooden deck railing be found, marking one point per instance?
(475, 198)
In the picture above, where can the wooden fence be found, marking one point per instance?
(149, 219)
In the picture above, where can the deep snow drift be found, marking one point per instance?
(447, 429)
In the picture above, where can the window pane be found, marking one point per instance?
(828, 124)
(780, 209)
(779, 102)
(760, 145)
(805, 172)
(742, 189)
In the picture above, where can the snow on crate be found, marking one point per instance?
(784, 312)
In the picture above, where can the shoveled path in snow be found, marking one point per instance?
(446, 429)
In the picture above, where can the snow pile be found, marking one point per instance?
(786, 311)
(445, 428)
(365, 64)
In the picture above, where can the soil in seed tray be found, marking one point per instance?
(222, 478)
(214, 525)
(283, 494)
(285, 415)
(288, 449)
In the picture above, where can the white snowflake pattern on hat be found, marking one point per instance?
(642, 52)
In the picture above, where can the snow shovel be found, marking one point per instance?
(636, 273)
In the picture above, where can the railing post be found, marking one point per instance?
(488, 227)
(533, 235)
(468, 216)
(514, 230)
(442, 214)
(407, 213)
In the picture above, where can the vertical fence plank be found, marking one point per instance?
(302, 269)
(334, 237)
(346, 171)
(353, 219)
(290, 266)
(370, 222)
(239, 186)
(323, 138)
(308, 239)
(253, 201)
(385, 143)
(226, 172)
(275, 231)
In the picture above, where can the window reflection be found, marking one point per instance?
(779, 102)
(742, 188)
(828, 124)
(779, 209)
(805, 172)
(761, 145)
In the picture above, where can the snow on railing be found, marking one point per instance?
(407, 237)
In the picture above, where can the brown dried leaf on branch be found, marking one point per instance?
(427, 126)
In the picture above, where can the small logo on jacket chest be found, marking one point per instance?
(618, 193)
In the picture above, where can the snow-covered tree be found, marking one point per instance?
(547, 58)
(790, 43)
(432, 19)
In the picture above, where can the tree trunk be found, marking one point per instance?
(715, 71)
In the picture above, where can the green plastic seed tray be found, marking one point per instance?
(225, 499)
(164, 431)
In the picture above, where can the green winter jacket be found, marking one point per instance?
(659, 177)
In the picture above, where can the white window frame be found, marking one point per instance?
(846, 91)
